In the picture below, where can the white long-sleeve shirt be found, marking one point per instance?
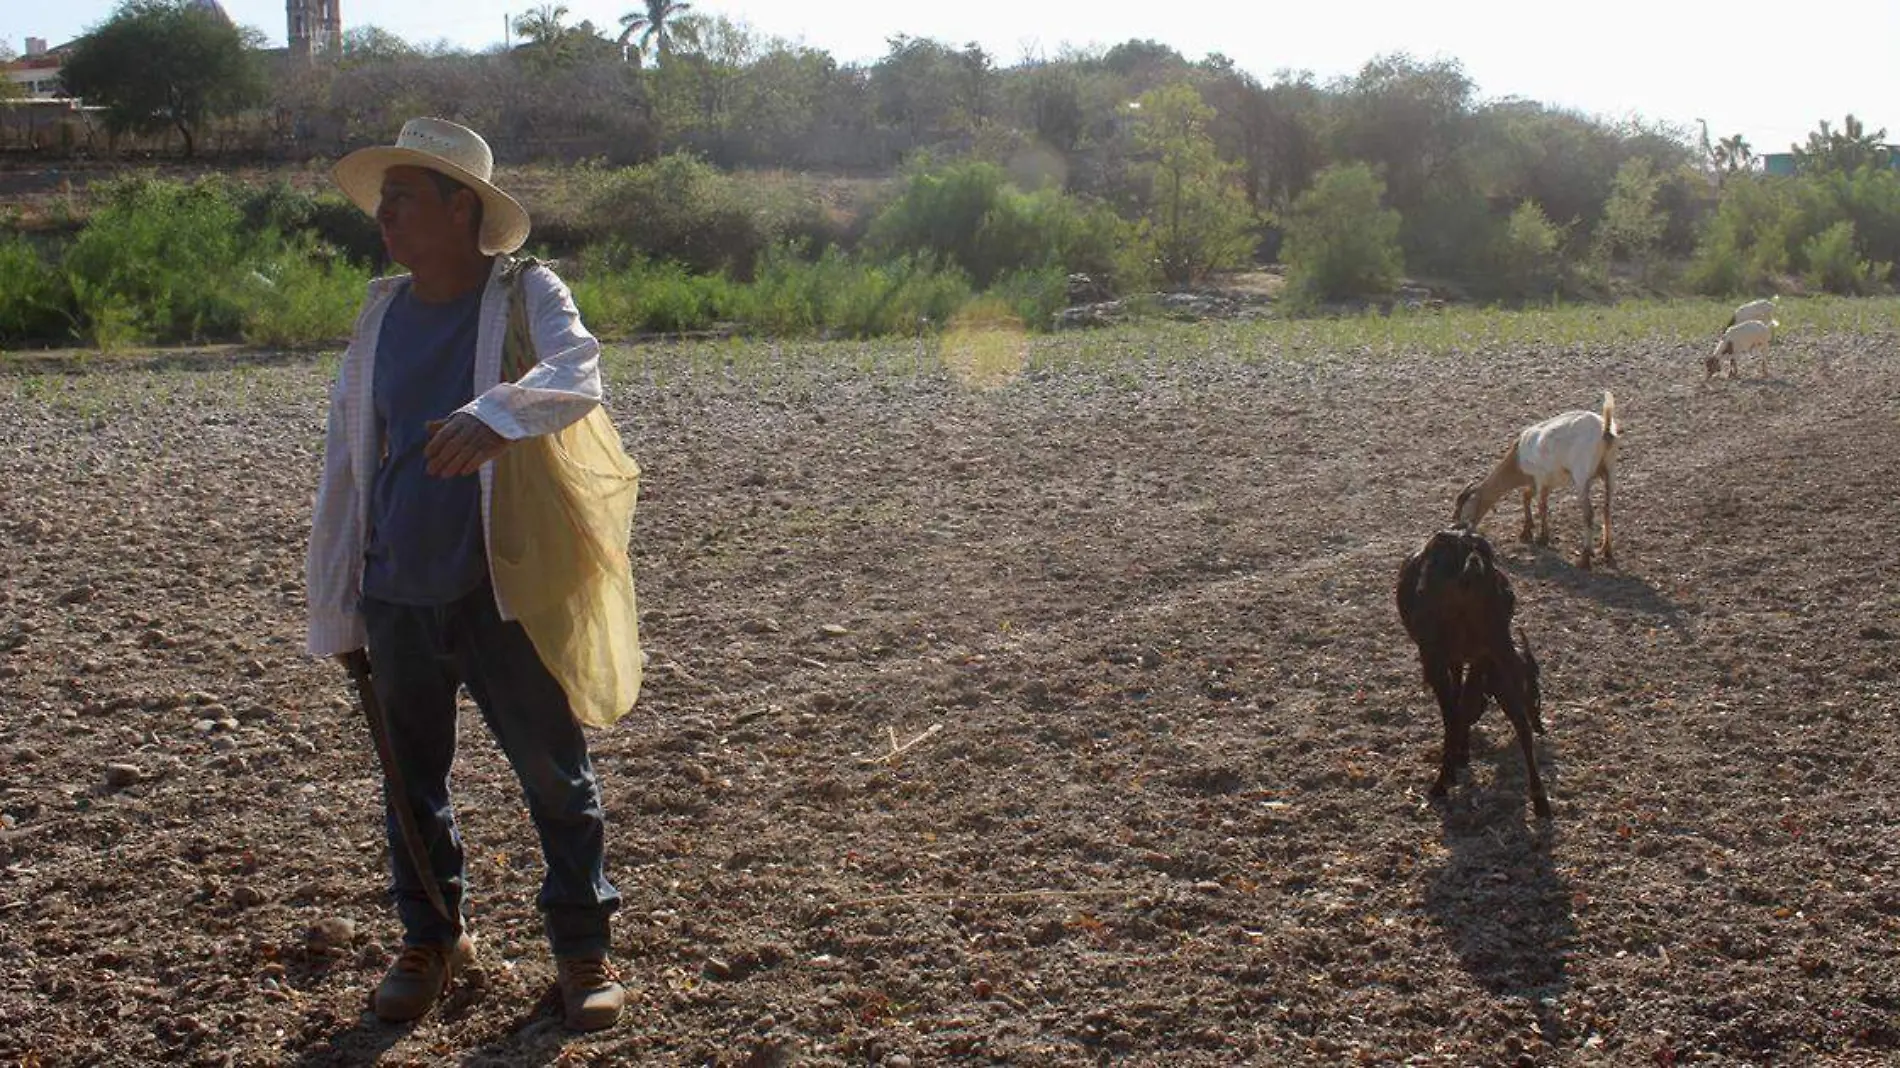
(562, 388)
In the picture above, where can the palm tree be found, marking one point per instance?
(550, 44)
(542, 25)
(1846, 151)
(1734, 153)
(654, 25)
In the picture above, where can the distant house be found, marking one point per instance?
(1780, 164)
(37, 72)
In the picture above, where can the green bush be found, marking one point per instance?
(968, 214)
(1340, 240)
(619, 292)
(1530, 255)
(1834, 265)
(681, 209)
(839, 295)
(942, 212)
(1752, 238)
(1719, 267)
(1033, 297)
(300, 297)
(336, 222)
(36, 303)
(160, 261)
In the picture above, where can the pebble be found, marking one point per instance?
(120, 776)
(833, 630)
(246, 896)
(332, 934)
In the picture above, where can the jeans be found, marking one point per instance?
(418, 657)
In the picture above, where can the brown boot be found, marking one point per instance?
(589, 994)
(419, 976)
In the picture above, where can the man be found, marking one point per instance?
(399, 566)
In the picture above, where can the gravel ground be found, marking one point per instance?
(1163, 800)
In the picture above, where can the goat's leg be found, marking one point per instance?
(1543, 515)
(1471, 701)
(1524, 533)
(1589, 526)
(1609, 547)
(1511, 696)
(1444, 682)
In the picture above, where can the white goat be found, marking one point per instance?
(1760, 311)
(1575, 447)
(1746, 336)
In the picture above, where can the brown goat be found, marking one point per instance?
(1457, 606)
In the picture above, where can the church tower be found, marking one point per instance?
(315, 27)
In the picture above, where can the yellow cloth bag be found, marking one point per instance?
(562, 515)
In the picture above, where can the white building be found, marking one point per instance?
(37, 71)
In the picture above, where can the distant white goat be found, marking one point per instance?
(1743, 337)
(1576, 447)
(1760, 311)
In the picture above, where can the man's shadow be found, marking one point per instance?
(1504, 908)
(534, 1038)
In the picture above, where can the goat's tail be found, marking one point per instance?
(1610, 429)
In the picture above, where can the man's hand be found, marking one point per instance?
(460, 445)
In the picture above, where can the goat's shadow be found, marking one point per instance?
(1504, 908)
(1609, 587)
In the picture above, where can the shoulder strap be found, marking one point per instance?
(517, 346)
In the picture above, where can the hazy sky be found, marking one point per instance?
(1769, 71)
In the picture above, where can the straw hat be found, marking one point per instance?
(444, 147)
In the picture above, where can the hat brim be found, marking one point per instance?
(360, 175)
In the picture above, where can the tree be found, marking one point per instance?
(1270, 130)
(1052, 101)
(159, 64)
(1412, 120)
(9, 89)
(1200, 219)
(373, 44)
(1341, 240)
(655, 25)
(1632, 225)
(1845, 151)
(553, 45)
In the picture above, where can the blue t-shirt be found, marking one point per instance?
(425, 533)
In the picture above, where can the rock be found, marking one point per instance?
(833, 630)
(330, 936)
(120, 776)
(718, 969)
(78, 595)
(246, 896)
